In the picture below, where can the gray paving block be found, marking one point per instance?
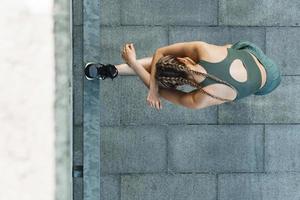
(91, 165)
(91, 106)
(259, 186)
(91, 41)
(110, 102)
(135, 109)
(77, 39)
(77, 189)
(218, 35)
(77, 75)
(91, 187)
(282, 148)
(110, 187)
(91, 124)
(279, 106)
(91, 118)
(215, 148)
(257, 35)
(77, 16)
(146, 40)
(191, 12)
(91, 10)
(166, 187)
(110, 12)
(214, 35)
(77, 145)
(77, 99)
(259, 13)
(283, 46)
(133, 149)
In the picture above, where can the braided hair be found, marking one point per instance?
(170, 73)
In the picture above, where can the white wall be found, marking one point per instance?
(27, 86)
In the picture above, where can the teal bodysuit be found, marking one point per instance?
(221, 71)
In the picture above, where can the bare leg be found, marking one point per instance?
(124, 69)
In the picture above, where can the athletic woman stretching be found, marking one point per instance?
(219, 73)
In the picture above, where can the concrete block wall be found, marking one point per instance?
(247, 150)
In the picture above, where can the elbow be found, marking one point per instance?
(159, 51)
(202, 105)
(196, 106)
(192, 106)
(189, 102)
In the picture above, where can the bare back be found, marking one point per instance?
(215, 54)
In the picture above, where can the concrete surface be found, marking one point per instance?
(246, 150)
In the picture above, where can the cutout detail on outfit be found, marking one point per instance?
(238, 71)
(229, 69)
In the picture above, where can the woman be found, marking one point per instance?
(219, 73)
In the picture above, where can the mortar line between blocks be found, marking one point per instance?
(199, 124)
(264, 147)
(265, 29)
(196, 25)
(218, 115)
(217, 187)
(212, 173)
(120, 12)
(168, 34)
(218, 12)
(167, 148)
(120, 186)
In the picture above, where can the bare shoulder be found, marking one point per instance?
(228, 45)
(182, 49)
(197, 48)
(212, 52)
(207, 45)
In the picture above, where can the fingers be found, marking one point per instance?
(128, 45)
(160, 106)
(156, 105)
(125, 49)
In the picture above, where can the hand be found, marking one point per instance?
(153, 99)
(128, 53)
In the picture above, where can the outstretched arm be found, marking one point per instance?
(175, 96)
(190, 49)
(153, 84)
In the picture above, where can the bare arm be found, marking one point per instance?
(178, 97)
(175, 96)
(182, 49)
(153, 84)
(141, 72)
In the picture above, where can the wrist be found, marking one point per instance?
(131, 63)
(154, 87)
